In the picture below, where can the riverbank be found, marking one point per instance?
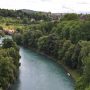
(9, 63)
(73, 73)
(42, 73)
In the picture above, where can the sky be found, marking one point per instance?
(54, 6)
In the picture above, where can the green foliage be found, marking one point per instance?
(68, 57)
(46, 27)
(25, 21)
(80, 84)
(7, 43)
(30, 38)
(87, 68)
(67, 40)
(1, 28)
(49, 45)
(84, 80)
(2, 33)
(72, 16)
(9, 63)
(22, 14)
(63, 49)
(88, 88)
(74, 30)
(18, 38)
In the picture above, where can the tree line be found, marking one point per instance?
(9, 63)
(21, 14)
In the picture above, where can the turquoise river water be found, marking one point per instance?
(38, 72)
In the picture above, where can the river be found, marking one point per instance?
(38, 72)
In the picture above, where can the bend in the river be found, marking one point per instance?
(38, 72)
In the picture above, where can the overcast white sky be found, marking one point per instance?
(48, 5)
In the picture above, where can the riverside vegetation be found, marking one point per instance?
(9, 63)
(67, 40)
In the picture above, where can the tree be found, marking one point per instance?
(88, 88)
(62, 51)
(25, 21)
(46, 27)
(17, 38)
(7, 43)
(9, 63)
(68, 56)
(49, 45)
(31, 37)
(87, 69)
(84, 80)
(71, 16)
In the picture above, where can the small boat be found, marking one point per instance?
(68, 74)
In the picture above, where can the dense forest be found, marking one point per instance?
(9, 63)
(23, 14)
(67, 40)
